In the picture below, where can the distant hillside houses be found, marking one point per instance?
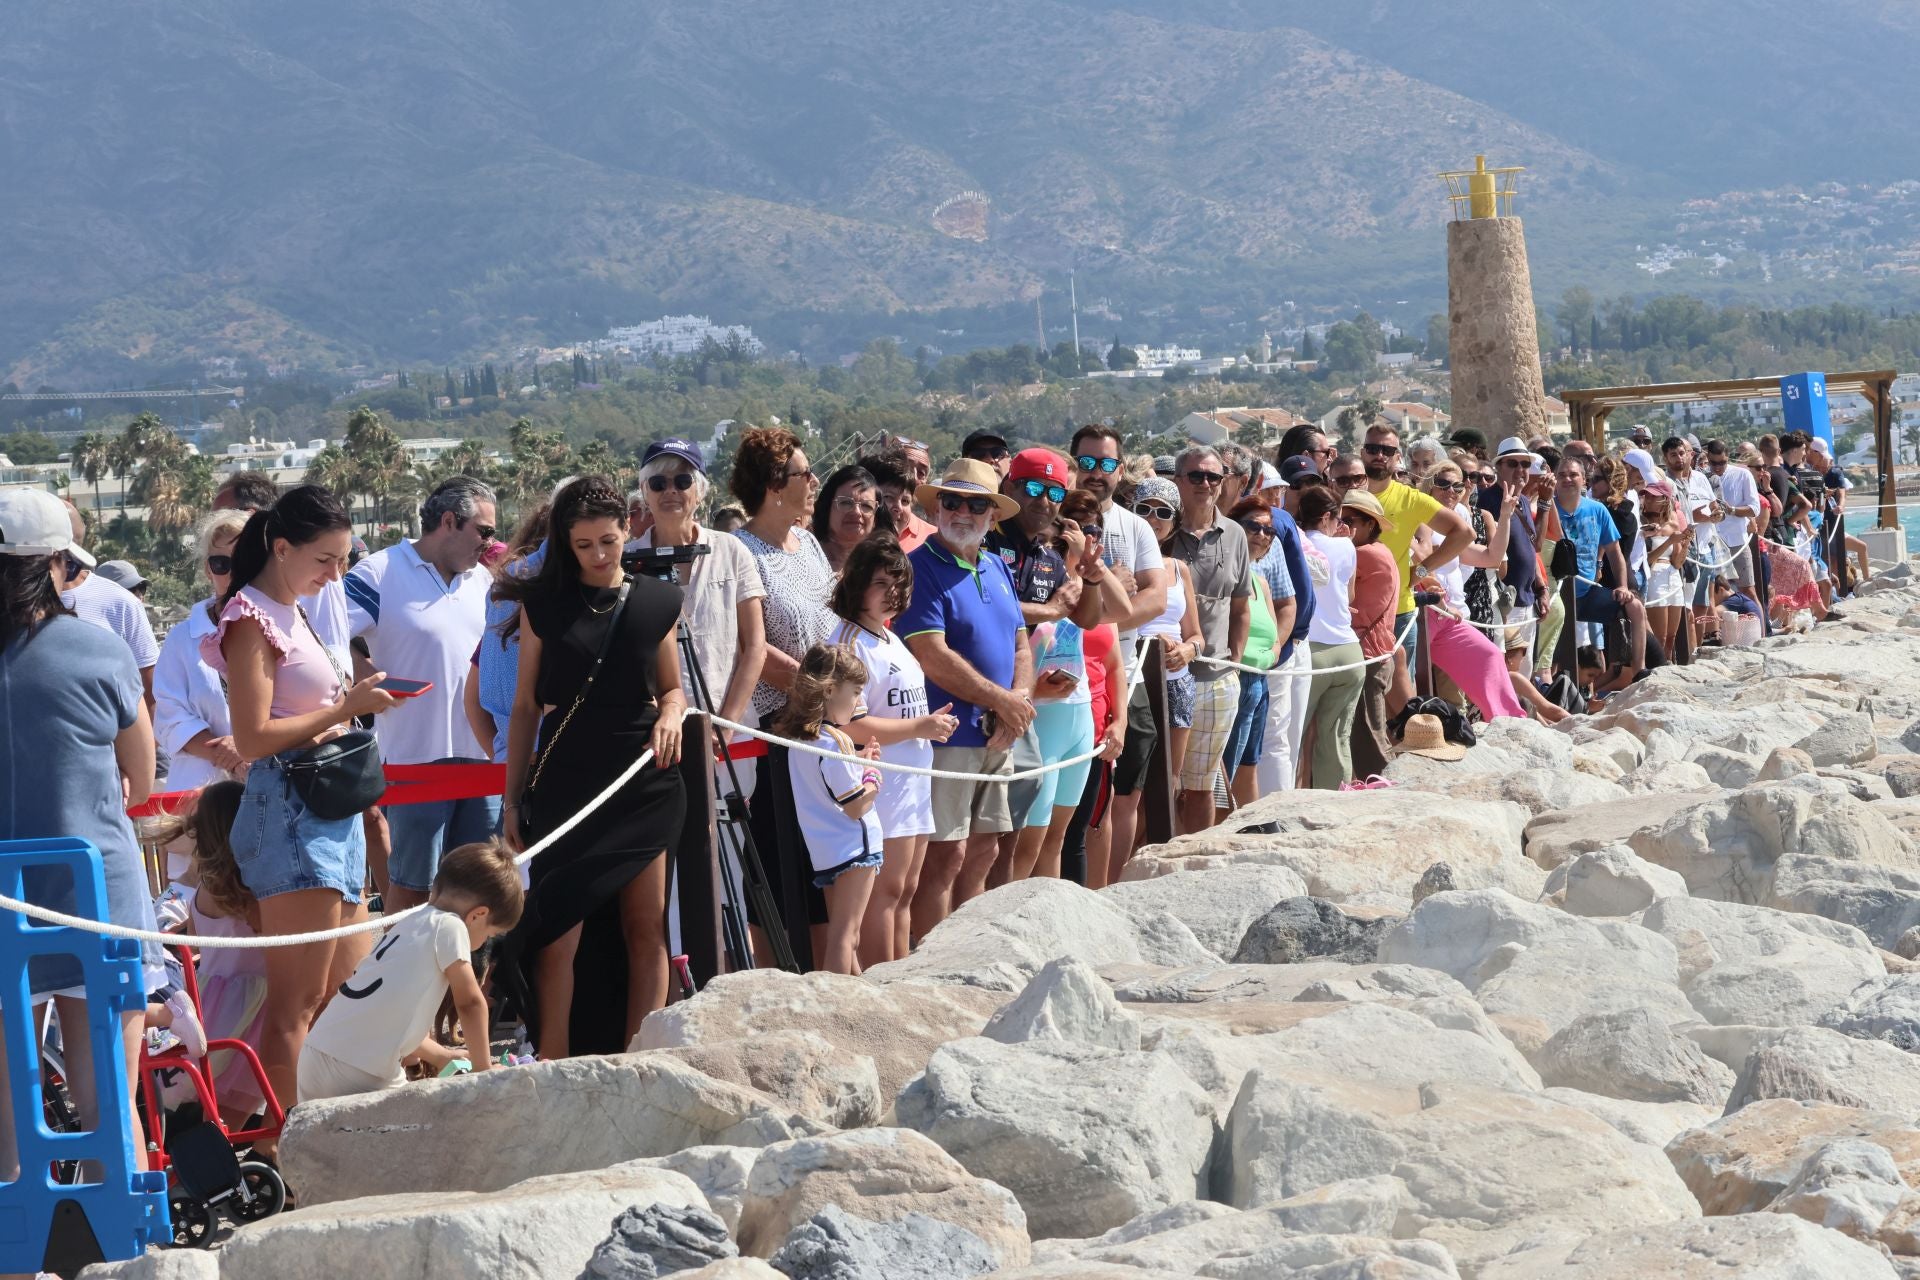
(673, 336)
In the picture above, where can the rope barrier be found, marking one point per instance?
(1318, 671)
(49, 916)
(424, 776)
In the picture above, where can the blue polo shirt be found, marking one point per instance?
(976, 608)
(1591, 529)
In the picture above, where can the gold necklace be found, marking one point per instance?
(589, 601)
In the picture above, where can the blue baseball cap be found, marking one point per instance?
(676, 447)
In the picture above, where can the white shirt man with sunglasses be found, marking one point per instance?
(421, 606)
(1133, 553)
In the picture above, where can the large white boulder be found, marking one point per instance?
(1485, 1169)
(1751, 1246)
(1743, 1162)
(491, 1130)
(532, 1230)
(1310, 980)
(1815, 1064)
(1742, 965)
(1884, 1008)
(1085, 1137)
(881, 1175)
(1631, 1054)
(1002, 938)
(1066, 1001)
(836, 1086)
(898, 1026)
(1217, 903)
(1537, 969)
(1611, 882)
(1518, 761)
(1361, 846)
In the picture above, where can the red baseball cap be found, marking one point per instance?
(1039, 464)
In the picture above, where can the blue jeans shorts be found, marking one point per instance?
(282, 847)
(822, 879)
(1249, 737)
(422, 832)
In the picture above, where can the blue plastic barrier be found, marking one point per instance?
(44, 1224)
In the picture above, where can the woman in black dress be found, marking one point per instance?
(608, 872)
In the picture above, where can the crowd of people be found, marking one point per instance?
(950, 669)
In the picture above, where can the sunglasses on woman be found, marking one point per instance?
(221, 565)
(1153, 510)
(1257, 530)
(976, 506)
(659, 484)
(1087, 462)
(1036, 488)
(1451, 486)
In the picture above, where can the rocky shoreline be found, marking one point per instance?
(1635, 996)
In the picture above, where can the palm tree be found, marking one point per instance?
(379, 463)
(334, 471)
(90, 462)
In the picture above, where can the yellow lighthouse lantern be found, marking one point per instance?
(1481, 192)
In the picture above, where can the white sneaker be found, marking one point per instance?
(186, 1025)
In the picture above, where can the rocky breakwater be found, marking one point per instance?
(1635, 996)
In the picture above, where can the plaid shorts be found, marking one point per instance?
(1215, 704)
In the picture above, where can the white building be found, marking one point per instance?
(673, 336)
(1165, 357)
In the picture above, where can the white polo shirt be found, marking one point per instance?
(111, 607)
(418, 626)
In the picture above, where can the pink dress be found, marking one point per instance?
(1793, 581)
(233, 1004)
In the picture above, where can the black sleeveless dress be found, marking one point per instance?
(580, 877)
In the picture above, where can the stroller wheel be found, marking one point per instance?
(264, 1192)
(192, 1221)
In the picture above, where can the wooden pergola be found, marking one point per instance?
(1589, 410)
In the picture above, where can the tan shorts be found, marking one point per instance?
(1215, 704)
(324, 1076)
(961, 808)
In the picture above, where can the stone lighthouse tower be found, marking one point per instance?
(1492, 338)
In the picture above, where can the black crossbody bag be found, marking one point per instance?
(529, 798)
(342, 776)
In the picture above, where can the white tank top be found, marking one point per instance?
(1168, 623)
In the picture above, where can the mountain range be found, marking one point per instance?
(378, 181)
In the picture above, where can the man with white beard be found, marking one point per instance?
(963, 624)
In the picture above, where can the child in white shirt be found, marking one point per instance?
(383, 1015)
(833, 799)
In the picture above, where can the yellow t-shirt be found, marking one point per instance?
(1408, 509)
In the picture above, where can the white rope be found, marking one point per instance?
(1318, 671)
(50, 916)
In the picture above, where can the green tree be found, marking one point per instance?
(1348, 350)
(1576, 315)
(1308, 349)
(1439, 332)
(91, 460)
(380, 465)
(335, 472)
(126, 450)
(1119, 357)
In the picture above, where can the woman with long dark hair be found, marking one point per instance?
(75, 748)
(598, 647)
(287, 692)
(847, 512)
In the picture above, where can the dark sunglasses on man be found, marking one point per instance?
(1036, 488)
(988, 452)
(1205, 478)
(1087, 462)
(1381, 450)
(660, 484)
(976, 506)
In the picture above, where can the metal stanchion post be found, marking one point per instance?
(1159, 792)
(696, 861)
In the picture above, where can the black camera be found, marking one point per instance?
(662, 562)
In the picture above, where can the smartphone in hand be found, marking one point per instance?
(404, 688)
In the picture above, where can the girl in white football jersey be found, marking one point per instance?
(876, 585)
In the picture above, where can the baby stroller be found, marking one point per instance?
(200, 1155)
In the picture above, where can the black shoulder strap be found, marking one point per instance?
(606, 641)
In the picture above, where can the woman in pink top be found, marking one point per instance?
(287, 692)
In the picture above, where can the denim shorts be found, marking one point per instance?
(281, 847)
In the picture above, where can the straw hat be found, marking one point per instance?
(1361, 500)
(1426, 736)
(970, 479)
